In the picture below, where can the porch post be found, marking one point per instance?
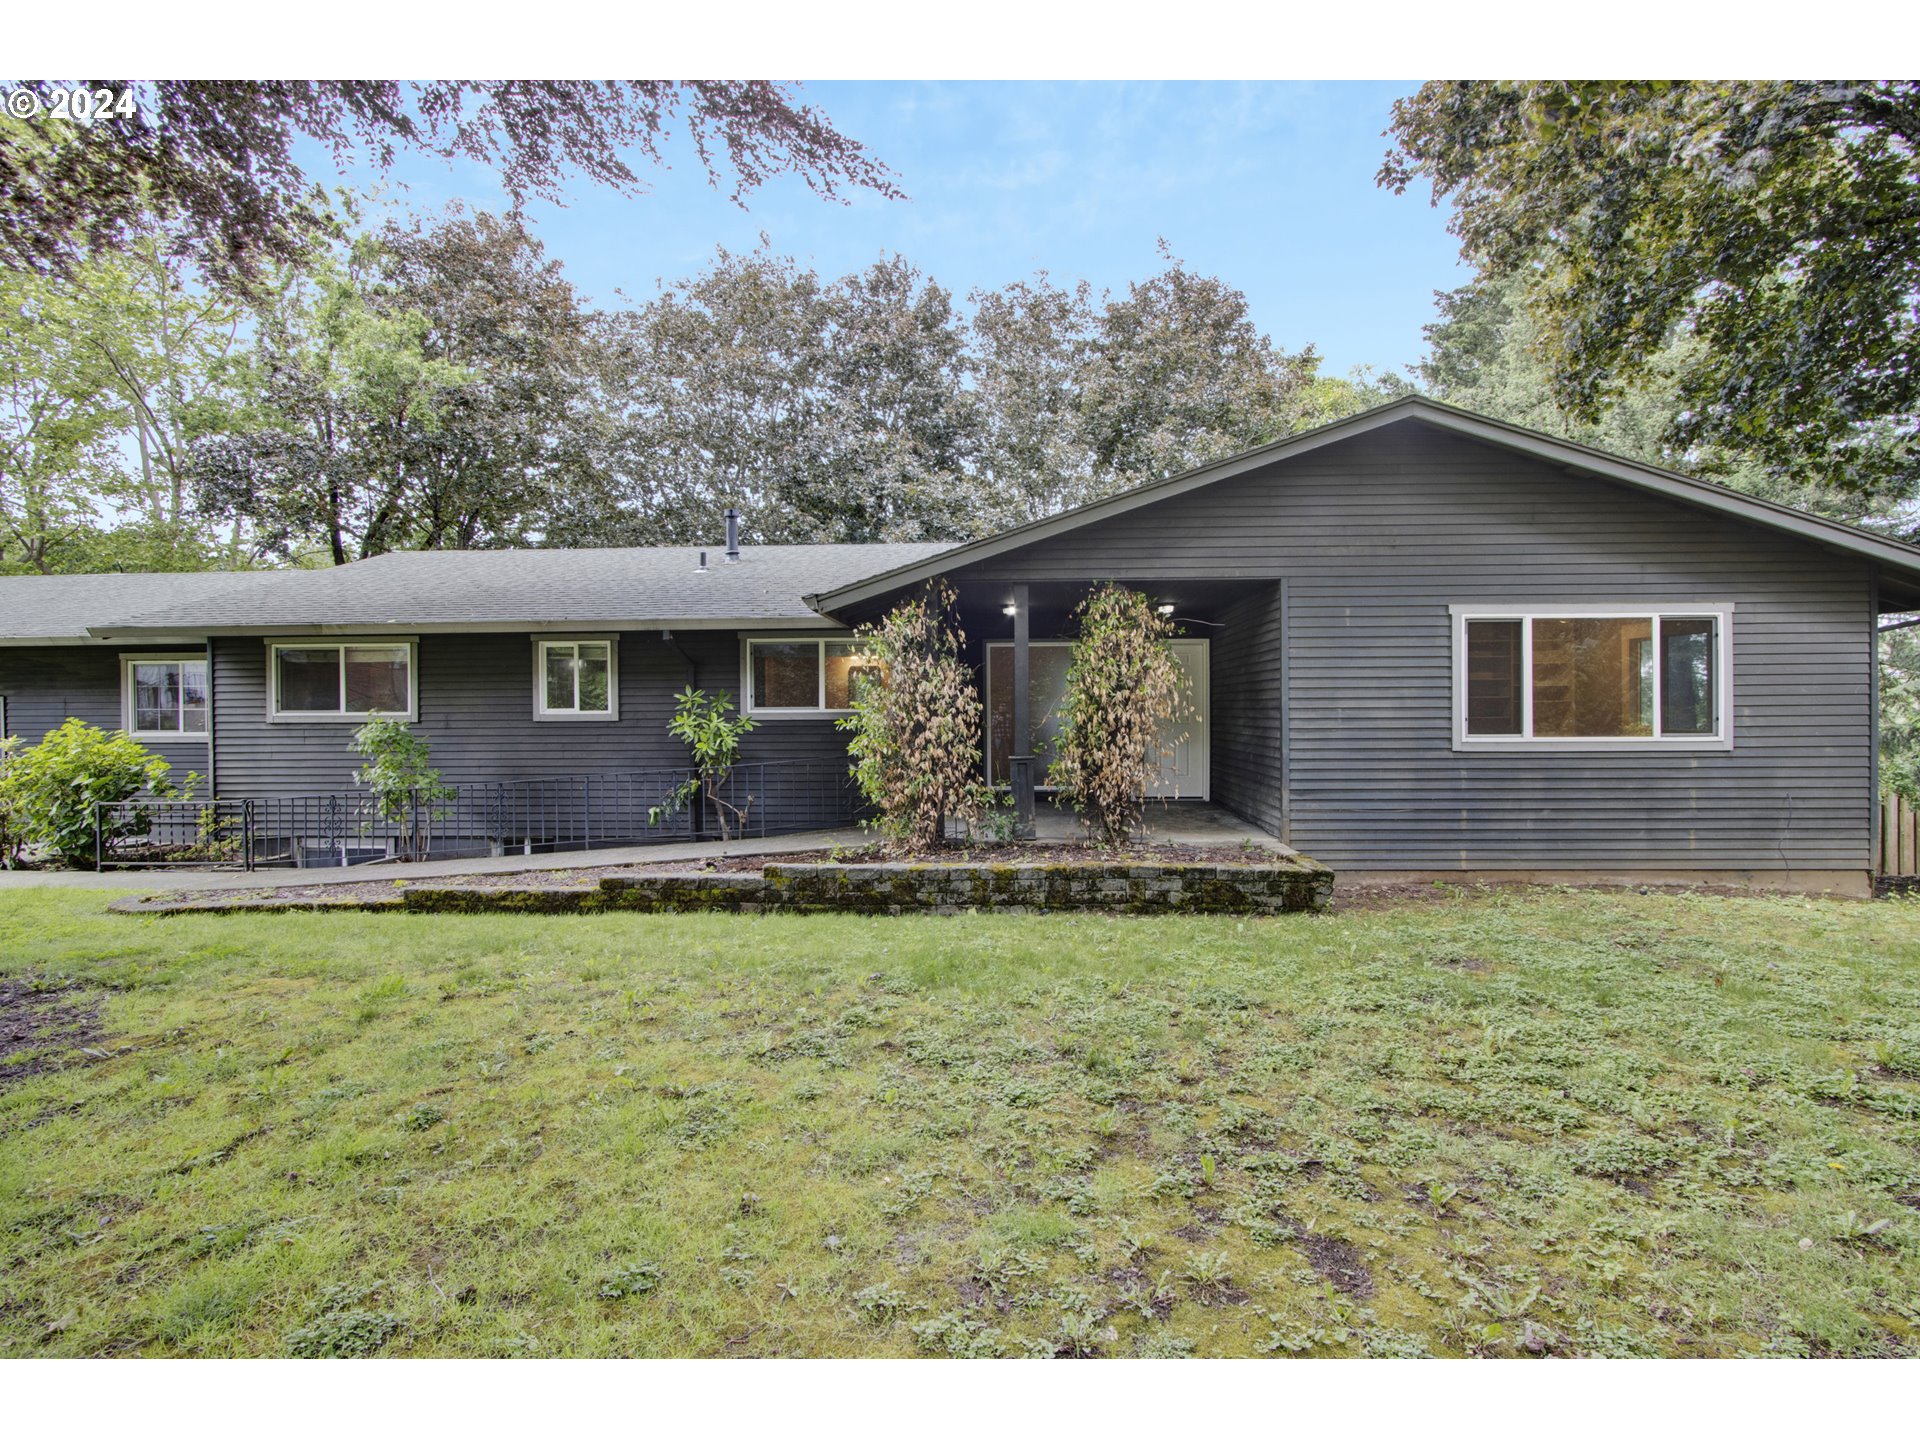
(1020, 760)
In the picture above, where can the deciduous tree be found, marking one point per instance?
(58, 419)
(1122, 688)
(429, 391)
(1774, 223)
(916, 722)
(826, 410)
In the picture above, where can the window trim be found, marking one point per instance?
(129, 711)
(277, 716)
(750, 706)
(1719, 611)
(541, 644)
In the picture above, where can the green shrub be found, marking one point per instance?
(12, 836)
(1124, 685)
(916, 725)
(49, 792)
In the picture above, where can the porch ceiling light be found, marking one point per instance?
(1164, 609)
(1009, 608)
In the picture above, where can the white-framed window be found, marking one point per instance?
(1593, 678)
(341, 679)
(576, 678)
(791, 677)
(163, 695)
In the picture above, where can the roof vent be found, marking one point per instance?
(702, 566)
(733, 534)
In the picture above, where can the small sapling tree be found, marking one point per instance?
(401, 777)
(709, 728)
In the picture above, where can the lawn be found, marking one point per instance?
(1544, 1123)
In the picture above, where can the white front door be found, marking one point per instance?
(1184, 740)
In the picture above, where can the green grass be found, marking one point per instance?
(1554, 1123)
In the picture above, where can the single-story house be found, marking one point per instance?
(1418, 640)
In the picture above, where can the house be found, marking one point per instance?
(1418, 640)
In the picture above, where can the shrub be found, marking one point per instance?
(916, 724)
(50, 791)
(12, 837)
(1123, 687)
(398, 770)
(708, 727)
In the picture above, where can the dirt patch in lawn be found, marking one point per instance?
(38, 1023)
(1334, 1260)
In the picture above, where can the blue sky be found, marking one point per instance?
(1268, 185)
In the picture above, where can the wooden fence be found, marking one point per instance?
(1899, 848)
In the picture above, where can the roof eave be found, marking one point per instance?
(107, 633)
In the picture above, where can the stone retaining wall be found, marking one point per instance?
(1133, 889)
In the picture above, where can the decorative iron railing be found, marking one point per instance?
(532, 816)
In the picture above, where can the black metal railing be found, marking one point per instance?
(531, 816)
(151, 834)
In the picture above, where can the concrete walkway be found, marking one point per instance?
(694, 851)
(1174, 822)
(1179, 823)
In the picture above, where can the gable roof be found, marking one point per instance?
(1901, 560)
(428, 590)
(63, 609)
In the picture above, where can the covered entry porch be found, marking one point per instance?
(1227, 754)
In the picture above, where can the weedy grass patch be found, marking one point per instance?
(1513, 1124)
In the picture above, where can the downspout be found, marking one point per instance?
(685, 659)
(213, 710)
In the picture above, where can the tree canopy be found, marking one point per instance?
(219, 155)
(873, 407)
(422, 392)
(1775, 223)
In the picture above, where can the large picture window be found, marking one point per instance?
(322, 680)
(576, 680)
(166, 695)
(804, 677)
(1593, 679)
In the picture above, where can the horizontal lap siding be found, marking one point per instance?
(47, 685)
(476, 712)
(1244, 720)
(1378, 535)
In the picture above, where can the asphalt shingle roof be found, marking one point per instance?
(500, 587)
(62, 607)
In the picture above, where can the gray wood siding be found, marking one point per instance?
(1378, 535)
(476, 711)
(47, 685)
(1247, 708)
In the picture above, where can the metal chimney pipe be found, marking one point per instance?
(733, 533)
